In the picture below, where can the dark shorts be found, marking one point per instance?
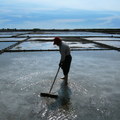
(66, 64)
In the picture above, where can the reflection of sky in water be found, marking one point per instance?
(74, 33)
(5, 35)
(112, 43)
(11, 39)
(36, 45)
(93, 92)
(5, 44)
(80, 45)
(49, 45)
(69, 34)
(43, 38)
(101, 38)
(9, 34)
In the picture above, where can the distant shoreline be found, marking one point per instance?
(111, 30)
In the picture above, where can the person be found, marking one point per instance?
(66, 57)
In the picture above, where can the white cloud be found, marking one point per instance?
(46, 11)
(112, 5)
(4, 20)
(47, 24)
(17, 16)
(4, 11)
(108, 20)
(68, 20)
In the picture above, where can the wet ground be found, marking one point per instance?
(93, 92)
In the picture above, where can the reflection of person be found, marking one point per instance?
(66, 57)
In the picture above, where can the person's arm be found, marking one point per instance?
(63, 54)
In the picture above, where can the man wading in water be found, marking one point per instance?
(66, 57)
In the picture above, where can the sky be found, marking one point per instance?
(62, 14)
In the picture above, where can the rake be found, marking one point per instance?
(49, 93)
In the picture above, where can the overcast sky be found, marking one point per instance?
(59, 14)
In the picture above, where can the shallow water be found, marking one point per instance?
(5, 44)
(11, 39)
(10, 34)
(43, 38)
(93, 92)
(111, 43)
(103, 38)
(35, 45)
(68, 34)
(108, 41)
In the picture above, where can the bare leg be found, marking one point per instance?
(63, 78)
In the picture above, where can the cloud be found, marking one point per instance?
(68, 20)
(108, 20)
(16, 16)
(3, 10)
(46, 24)
(111, 5)
(2, 20)
(59, 14)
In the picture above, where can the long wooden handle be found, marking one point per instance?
(54, 80)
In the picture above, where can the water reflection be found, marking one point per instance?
(63, 101)
(60, 108)
(64, 96)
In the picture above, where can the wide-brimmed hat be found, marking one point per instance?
(56, 40)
